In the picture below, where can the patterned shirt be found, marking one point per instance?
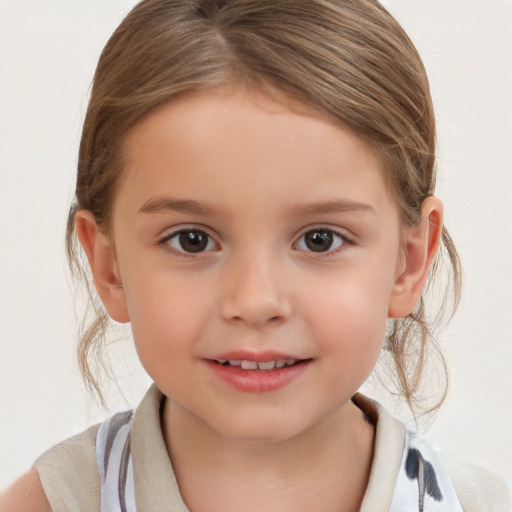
(422, 485)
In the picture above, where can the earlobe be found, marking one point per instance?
(421, 245)
(102, 261)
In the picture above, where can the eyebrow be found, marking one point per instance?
(163, 204)
(190, 206)
(333, 206)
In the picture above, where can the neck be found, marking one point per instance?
(329, 464)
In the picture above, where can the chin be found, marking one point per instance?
(274, 429)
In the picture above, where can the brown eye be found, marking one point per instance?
(320, 240)
(191, 241)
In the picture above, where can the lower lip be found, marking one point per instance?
(258, 381)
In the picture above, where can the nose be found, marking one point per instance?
(255, 293)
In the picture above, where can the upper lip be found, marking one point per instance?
(259, 357)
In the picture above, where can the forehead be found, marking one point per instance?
(239, 145)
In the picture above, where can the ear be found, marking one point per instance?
(421, 245)
(100, 253)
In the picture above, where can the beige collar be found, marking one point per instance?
(155, 483)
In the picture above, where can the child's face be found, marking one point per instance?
(244, 231)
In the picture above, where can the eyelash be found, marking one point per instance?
(343, 241)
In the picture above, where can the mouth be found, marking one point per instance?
(265, 366)
(257, 373)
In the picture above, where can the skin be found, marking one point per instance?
(264, 176)
(26, 494)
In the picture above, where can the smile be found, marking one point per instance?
(245, 364)
(258, 374)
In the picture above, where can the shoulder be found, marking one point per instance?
(25, 494)
(75, 450)
(478, 488)
(68, 473)
(63, 478)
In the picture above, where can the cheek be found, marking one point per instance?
(353, 327)
(353, 347)
(166, 319)
(160, 298)
(350, 319)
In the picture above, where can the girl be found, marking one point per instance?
(255, 196)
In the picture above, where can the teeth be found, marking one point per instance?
(267, 366)
(249, 365)
(255, 365)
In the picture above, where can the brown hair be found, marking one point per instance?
(348, 59)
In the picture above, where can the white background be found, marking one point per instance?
(48, 51)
